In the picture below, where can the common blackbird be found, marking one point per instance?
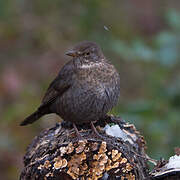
(86, 88)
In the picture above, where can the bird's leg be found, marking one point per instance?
(77, 132)
(95, 130)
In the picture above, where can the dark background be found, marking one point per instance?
(141, 38)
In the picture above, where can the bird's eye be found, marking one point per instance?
(87, 53)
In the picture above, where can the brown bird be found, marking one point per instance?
(86, 88)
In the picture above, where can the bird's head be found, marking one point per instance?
(86, 50)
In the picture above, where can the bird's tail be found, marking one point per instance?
(33, 117)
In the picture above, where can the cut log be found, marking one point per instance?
(57, 154)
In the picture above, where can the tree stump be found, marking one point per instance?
(57, 154)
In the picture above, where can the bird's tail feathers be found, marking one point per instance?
(33, 117)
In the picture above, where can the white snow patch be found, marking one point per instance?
(174, 162)
(115, 131)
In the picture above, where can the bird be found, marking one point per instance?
(86, 88)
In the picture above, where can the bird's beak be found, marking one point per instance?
(71, 53)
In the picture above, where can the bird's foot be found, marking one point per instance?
(77, 133)
(95, 132)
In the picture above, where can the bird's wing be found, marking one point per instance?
(56, 88)
(59, 85)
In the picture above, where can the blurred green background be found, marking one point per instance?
(141, 38)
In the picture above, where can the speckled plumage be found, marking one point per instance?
(86, 88)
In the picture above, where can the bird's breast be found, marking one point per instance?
(95, 90)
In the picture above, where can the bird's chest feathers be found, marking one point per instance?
(95, 79)
(92, 72)
(95, 76)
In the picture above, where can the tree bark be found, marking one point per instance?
(57, 153)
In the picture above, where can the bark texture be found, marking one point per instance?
(57, 154)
